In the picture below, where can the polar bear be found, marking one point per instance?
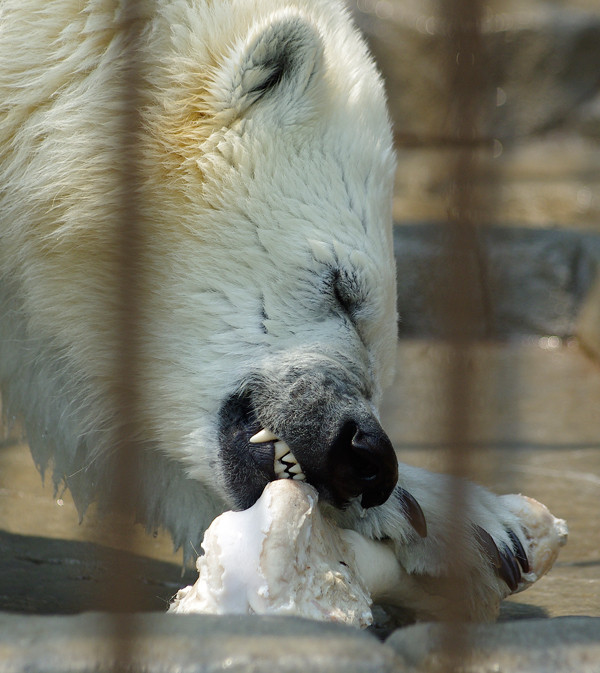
(268, 319)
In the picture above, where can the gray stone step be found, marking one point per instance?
(536, 280)
(154, 643)
(563, 645)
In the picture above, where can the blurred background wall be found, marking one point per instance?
(539, 177)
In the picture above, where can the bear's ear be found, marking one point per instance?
(277, 67)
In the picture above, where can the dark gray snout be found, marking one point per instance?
(318, 426)
(362, 462)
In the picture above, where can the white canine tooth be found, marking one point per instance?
(262, 436)
(295, 469)
(280, 471)
(281, 448)
(299, 477)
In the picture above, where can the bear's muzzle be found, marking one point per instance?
(311, 425)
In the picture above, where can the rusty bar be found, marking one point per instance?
(130, 246)
(129, 239)
(462, 298)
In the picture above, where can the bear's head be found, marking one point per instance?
(279, 316)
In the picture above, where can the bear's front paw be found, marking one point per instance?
(519, 559)
(544, 535)
(461, 562)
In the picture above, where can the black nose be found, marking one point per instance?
(362, 462)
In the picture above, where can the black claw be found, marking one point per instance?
(486, 542)
(520, 554)
(412, 511)
(509, 571)
(504, 561)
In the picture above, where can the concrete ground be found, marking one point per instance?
(535, 427)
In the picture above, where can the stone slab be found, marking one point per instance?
(562, 645)
(43, 576)
(155, 643)
(536, 280)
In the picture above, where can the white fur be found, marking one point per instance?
(230, 211)
(245, 206)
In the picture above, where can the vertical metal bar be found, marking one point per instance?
(462, 300)
(130, 246)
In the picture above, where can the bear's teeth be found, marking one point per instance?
(281, 449)
(286, 465)
(280, 472)
(262, 436)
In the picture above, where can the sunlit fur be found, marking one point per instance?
(244, 209)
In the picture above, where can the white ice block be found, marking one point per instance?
(281, 557)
